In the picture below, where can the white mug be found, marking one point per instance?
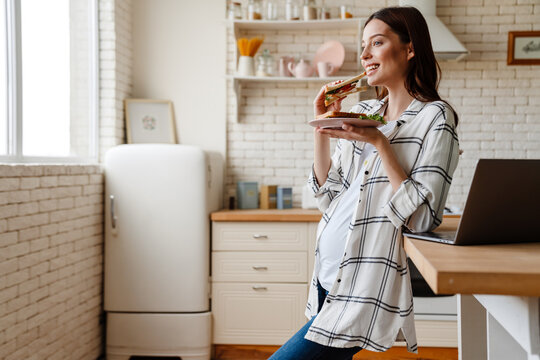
(324, 68)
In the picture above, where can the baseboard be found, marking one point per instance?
(262, 352)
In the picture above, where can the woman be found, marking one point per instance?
(377, 181)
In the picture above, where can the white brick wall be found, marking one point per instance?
(498, 105)
(51, 245)
(115, 70)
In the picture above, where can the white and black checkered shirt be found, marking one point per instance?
(371, 301)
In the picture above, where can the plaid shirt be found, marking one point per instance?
(371, 301)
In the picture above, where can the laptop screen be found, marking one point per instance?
(503, 204)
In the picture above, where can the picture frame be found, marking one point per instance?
(149, 121)
(523, 48)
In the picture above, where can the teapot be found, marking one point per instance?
(301, 70)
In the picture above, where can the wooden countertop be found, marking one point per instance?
(285, 215)
(509, 269)
(505, 269)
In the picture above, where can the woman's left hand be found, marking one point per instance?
(349, 132)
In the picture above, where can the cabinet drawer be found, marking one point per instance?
(252, 313)
(259, 266)
(255, 236)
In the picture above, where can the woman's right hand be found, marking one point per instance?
(318, 104)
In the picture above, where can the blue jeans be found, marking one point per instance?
(298, 348)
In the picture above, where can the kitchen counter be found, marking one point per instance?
(288, 215)
(501, 319)
(285, 215)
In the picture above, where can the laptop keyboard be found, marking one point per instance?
(441, 236)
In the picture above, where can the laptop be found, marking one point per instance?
(503, 206)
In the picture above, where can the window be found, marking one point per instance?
(3, 83)
(49, 89)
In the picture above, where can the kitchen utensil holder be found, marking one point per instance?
(246, 66)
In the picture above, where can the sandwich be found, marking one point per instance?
(335, 91)
(350, 115)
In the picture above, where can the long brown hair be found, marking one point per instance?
(424, 72)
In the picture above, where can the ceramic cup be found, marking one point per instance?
(246, 66)
(284, 66)
(324, 68)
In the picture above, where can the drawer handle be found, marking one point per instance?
(260, 267)
(258, 287)
(257, 236)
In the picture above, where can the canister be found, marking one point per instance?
(247, 193)
(284, 198)
(268, 196)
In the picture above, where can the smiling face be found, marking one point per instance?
(384, 56)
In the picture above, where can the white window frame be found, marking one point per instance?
(14, 90)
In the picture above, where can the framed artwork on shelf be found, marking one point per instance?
(149, 121)
(523, 48)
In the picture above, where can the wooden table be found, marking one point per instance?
(499, 292)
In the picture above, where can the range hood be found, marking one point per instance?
(445, 45)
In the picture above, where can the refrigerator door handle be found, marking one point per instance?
(113, 216)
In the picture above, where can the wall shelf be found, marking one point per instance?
(294, 24)
(239, 80)
(288, 79)
(279, 25)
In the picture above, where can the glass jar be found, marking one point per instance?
(271, 10)
(234, 11)
(345, 12)
(324, 13)
(254, 10)
(265, 64)
(310, 10)
(291, 10)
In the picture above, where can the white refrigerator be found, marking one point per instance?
(158, 198)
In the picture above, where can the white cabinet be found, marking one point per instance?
(260, 274)
(256, 312)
